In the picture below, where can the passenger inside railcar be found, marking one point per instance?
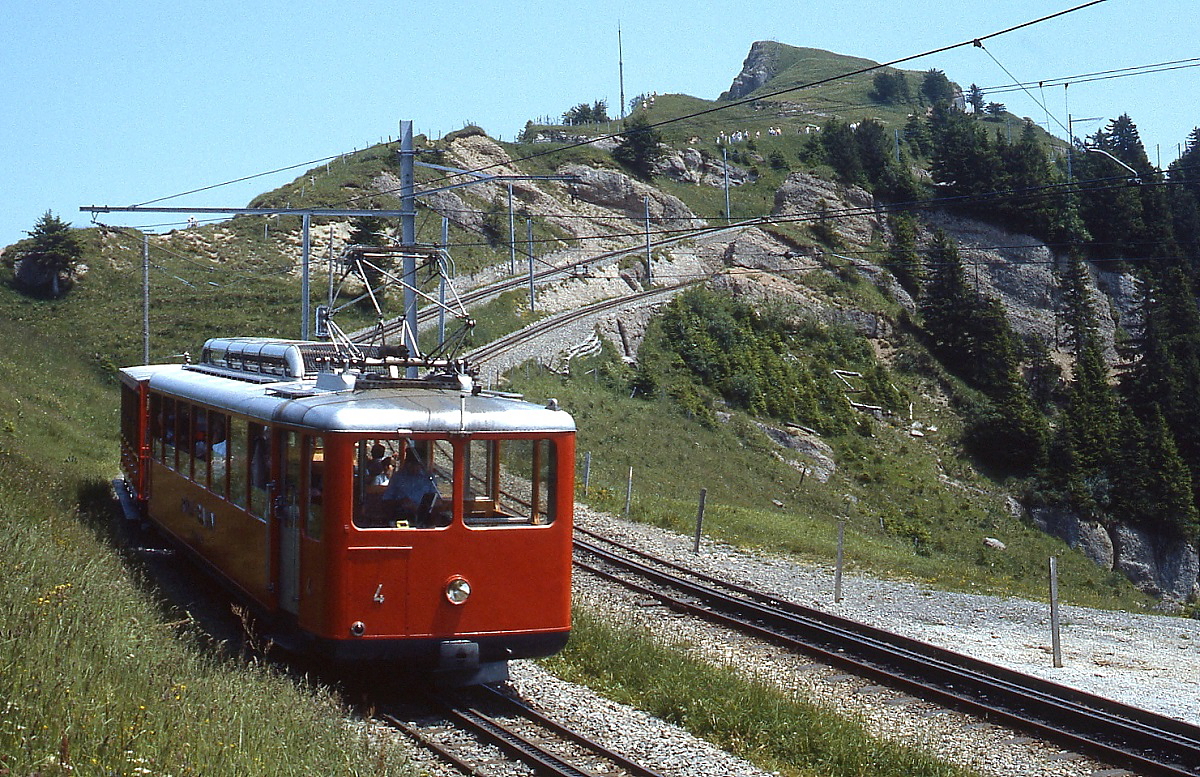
(373, 512)
(412, 495)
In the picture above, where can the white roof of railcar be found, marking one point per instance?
(380, 410)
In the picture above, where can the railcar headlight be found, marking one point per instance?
(458, 590)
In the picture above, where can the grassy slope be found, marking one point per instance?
(94, 673)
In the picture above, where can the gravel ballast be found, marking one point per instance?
(1147, 661)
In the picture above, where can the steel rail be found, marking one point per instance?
(429, 743)
(1151, 743)
(632, 767)
(426, 314)
(508, 342)
(466, 714)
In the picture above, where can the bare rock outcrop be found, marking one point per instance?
(758, 68)
(561, 136)
(818, 456)
(614, 189)
(1161, 567)
(1089, 537)
(690, 165)
(851, 209)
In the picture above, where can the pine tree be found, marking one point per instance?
(1078, 313)
(1026, 173)
(1154, 487)
(975, 98)
(936, 88)
(51, 252)
(903, 260)
(971, 335)
(1111, 207)
(639, 148)
(963, 161)
(841, 151)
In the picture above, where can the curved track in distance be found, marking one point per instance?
(428, 314)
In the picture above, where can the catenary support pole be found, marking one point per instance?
(145, 298)
(305, 246)
(442, 282)
(512, 236)
(529, 239)
(649, 272)
(408, 235)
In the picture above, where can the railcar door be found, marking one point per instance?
(287, 517)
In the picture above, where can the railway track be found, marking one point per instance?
(522, 733)
(428, 314)
(1107, 730)
(506, 343)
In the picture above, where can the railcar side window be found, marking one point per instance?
(510, 482)
(288, 503)
(183, 438)
(218, 451)
(200, 442)
(156, 427)
(168, 429)
(130, 412)
(314, 454)
(260, 469)
(239, 480)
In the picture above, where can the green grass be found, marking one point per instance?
(915, 509)
(98, 674)
(775, 730)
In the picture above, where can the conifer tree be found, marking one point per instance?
(963, 161)
(1111, 204)
(639, 149)
(903, 260)
(1154, 487)
(970, 333)
(936, 88)
(1078, 313)
(52, 250)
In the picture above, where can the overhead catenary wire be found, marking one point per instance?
(724, 106)
(1099, 75)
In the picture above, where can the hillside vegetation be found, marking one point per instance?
(729, 389)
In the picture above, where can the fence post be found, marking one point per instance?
(587, 471)
(628, 492)
(837, 572)
(700, 521)
(1054, 630)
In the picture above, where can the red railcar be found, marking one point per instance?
(272, 469)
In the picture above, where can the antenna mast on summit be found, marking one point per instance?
(621, 70)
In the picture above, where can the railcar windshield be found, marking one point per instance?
(408, 483)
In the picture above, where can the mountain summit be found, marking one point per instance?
(768, 60)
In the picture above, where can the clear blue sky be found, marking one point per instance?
(121, 102)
